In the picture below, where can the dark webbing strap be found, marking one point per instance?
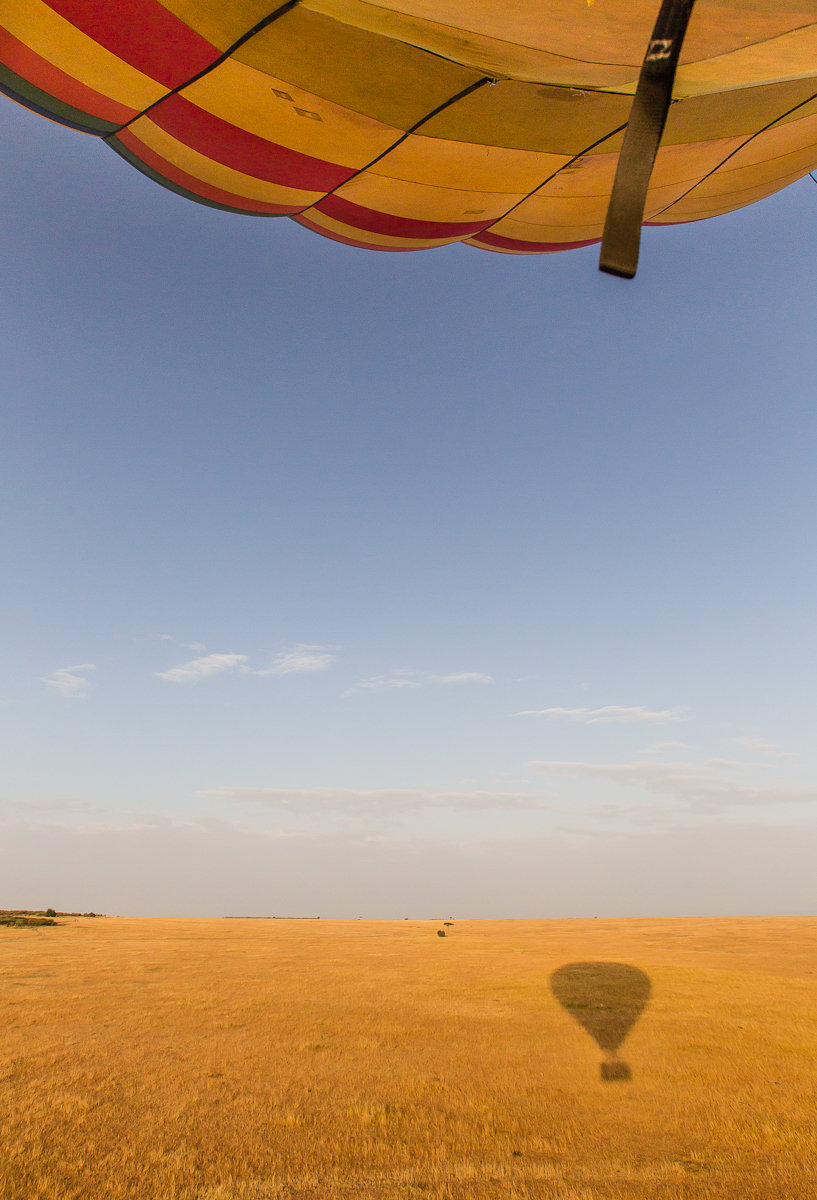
(625, 212)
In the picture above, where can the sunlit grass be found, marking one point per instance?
(292, 1060)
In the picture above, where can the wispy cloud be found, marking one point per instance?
(385, 801)
(609, 714)
(70, 682)
(53, 804)
(294, 660)
(169, 637)
(664, 747)
(407, 677)
(463, 677)
(734, 764)
(750, 742)
(691, 786)
(759, 745)
(300, 659)
(202, 668)
(383, 683)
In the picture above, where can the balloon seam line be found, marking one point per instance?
(545, 182)
(245, 37)
(459, 96)
(418, 125)
(731, 154)
(776, 37)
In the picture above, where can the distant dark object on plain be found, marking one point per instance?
(440, 933)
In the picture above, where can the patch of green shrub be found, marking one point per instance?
(23, 922)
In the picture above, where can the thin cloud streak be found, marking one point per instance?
(299, 659)
(296, 660)
(202, 668)
(664, 747)
(760, 746)
(383, 683)
(609, 714)
(463, 677)
(48, 804)
(687, 784)
(69, 682)
(407, 677)
(734, 764)
(751, 742)
(385, 801)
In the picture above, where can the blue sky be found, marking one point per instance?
(394, 585)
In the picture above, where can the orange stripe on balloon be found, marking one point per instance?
(191, 184)
(244, 151)
(143, 33)
(50, 79)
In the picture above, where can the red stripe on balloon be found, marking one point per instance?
(244, 151)
(197, 186)
(495, 241)
(144, 34)
(347, 241)
(54, 82)
(391, 226)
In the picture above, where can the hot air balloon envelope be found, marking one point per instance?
(402, 126)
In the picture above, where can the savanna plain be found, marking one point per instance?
(288, 1059)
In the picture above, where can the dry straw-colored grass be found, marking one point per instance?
(320, 1060)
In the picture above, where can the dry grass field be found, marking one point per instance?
(267, 1060)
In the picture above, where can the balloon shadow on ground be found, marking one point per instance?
(606, 998)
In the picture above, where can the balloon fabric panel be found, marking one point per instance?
(493, 122)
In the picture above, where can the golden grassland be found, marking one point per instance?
(320, 1060)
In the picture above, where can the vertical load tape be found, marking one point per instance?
(625, 212)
